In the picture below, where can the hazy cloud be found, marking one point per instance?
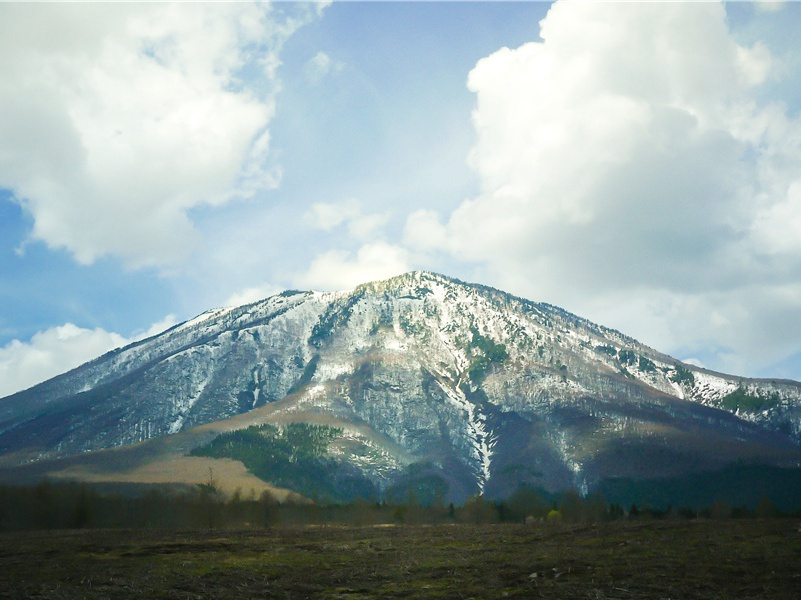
(320, 65)
(425, 232)
(360, 225)
(329, 215)
(770, 5)
(777, 229)
(118, 119)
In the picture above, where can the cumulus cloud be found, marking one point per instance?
(340, 269)
(119, 119)
(626, 156)
(59, 349)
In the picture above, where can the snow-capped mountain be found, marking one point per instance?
(421, 374)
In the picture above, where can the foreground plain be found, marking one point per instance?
(654, 559)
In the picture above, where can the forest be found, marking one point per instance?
(50, 505)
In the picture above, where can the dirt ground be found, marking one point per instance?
(657, 559)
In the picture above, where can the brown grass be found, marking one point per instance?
(229, 475)
(659, 559)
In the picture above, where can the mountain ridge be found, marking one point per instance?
(487, 389)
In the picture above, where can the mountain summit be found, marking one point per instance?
(418, 377)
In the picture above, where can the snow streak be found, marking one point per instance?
(481, 438)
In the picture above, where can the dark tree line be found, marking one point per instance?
(67, 506)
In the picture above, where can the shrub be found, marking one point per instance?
(739, 399)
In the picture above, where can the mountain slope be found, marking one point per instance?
(434, 379)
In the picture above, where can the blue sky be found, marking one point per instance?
(635, 164)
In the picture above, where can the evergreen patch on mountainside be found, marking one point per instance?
(294, 457)
(739, 399)
(486, 353)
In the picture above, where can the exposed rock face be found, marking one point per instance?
(482, 388)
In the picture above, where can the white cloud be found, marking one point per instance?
(694, 361)
(251, 294)
(339, 269)
(118, 119)
(611, 134)
(626, 157)
(57, 350)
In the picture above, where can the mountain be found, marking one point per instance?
(417, 382)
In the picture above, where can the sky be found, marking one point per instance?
(638, 164)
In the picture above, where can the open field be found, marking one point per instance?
(657, 559)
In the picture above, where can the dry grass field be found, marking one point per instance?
(734, 559)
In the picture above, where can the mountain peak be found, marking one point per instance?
(410, 278)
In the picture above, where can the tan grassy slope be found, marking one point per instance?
(166, 460)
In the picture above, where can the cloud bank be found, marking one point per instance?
(629, 172)
(120, 119)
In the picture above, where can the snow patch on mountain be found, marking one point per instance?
(215, 313)
(329, 371)
(710, 388)
(481, 438)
